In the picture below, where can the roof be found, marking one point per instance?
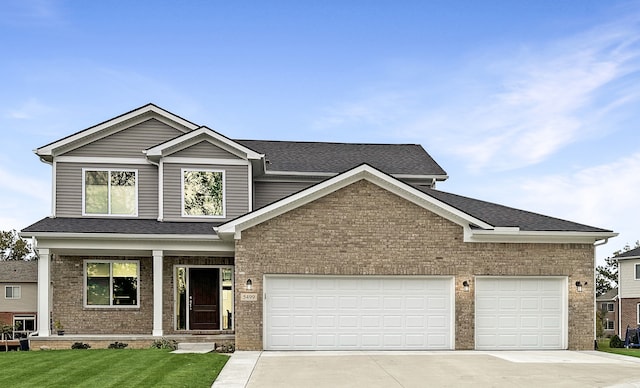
(319, 157)
(482, 221)
(609, 295)
(18, 271)
(632, 254)
(119, 226)
(504, 216)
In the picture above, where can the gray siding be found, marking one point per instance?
(69, 188)
(130, 142)
(236, 191)
(205, 150)
(28, 302)
(268, 192)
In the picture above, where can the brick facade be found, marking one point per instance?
(363, 229)
(628, 314)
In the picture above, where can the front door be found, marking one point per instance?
(204, 298)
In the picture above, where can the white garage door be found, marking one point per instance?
(347, 313)
(521, 313)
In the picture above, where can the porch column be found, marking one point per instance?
(157, 293)
(44, 287)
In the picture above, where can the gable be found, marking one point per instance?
(129, 142)
(204, 149)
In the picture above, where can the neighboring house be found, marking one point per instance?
(164, 227)
(19, 300)
(607, 304)
(629, 289)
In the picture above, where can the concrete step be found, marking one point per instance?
(195, 347)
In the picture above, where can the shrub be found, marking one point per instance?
(616, 342)
(80, 345)
(117, 345)
(165, 344)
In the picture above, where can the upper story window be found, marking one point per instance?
(112, 283)
(110, 192)
(203, 193)
(607, 306)
(12, 292)
(637, 268)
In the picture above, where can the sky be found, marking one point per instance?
(529, 104)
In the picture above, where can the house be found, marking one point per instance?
(18, 304)
(629, 289)
(607, 305)
(162, 227)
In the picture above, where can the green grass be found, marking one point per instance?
(109, 368)
(603, 346)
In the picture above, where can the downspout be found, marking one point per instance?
(595, 305)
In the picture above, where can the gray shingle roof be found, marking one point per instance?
(294, 156)
(609, 295)
(631, 253)
(119, 226)
(18, 271)
(504, 216)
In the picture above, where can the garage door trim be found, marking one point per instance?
(450, 290)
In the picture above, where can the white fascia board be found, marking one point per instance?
(187, 160)
(161, 114)
(330, 174)
(515, 235)
(101, 160)
(410, 176)
(627, 258)
(235, 227)
(209, 135)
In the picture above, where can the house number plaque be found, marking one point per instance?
(248, 296)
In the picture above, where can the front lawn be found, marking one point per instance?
(109, 368)
(603, 346)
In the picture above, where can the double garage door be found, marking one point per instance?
(409, 313)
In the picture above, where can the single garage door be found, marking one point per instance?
(364, 312)
(521, 313)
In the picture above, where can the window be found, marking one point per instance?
(638, 314)
(202, 193)
(12, 292)
(110, 192)
(637, 266)
(610, 325)
(112, 284)
(609, 306)
(23, 325)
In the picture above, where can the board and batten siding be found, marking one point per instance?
(268, 192)
(236, 190)
(204, 150)
(130, 142)
(69, 188)
(629, 286)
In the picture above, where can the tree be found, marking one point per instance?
(607, 275)
(14, 247)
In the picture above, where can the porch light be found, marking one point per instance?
(465, 286)
(249, 284)
(579, 286)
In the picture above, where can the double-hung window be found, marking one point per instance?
(110, 192)
(12, 292)
(203, 193)
(112, 283)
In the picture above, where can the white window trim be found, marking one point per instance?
(606, 326)
(84, 213)
(610, 307)
(13, 288)
(224, 192)
(111, 305)
(635, 271)
(638, 313)
(24, 318)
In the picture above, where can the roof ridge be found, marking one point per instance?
(328, 142)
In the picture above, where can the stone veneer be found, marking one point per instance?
(363, 229)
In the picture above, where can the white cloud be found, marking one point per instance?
(30, 109)
(28, 187)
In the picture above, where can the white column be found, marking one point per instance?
(157, 293)
(44, 284)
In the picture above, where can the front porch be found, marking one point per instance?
(97, 341)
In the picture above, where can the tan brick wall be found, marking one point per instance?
(365, 230)
(68, 305)
(628, 314)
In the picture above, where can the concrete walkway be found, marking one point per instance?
(433, 369)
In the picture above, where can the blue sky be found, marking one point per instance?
(531, 104)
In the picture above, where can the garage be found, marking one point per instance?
(358, 312)
(521, 313)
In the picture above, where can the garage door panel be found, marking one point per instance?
(333, 313)
(520, 313)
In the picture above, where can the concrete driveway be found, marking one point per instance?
(429, 369)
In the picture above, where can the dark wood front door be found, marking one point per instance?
(204, 298)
